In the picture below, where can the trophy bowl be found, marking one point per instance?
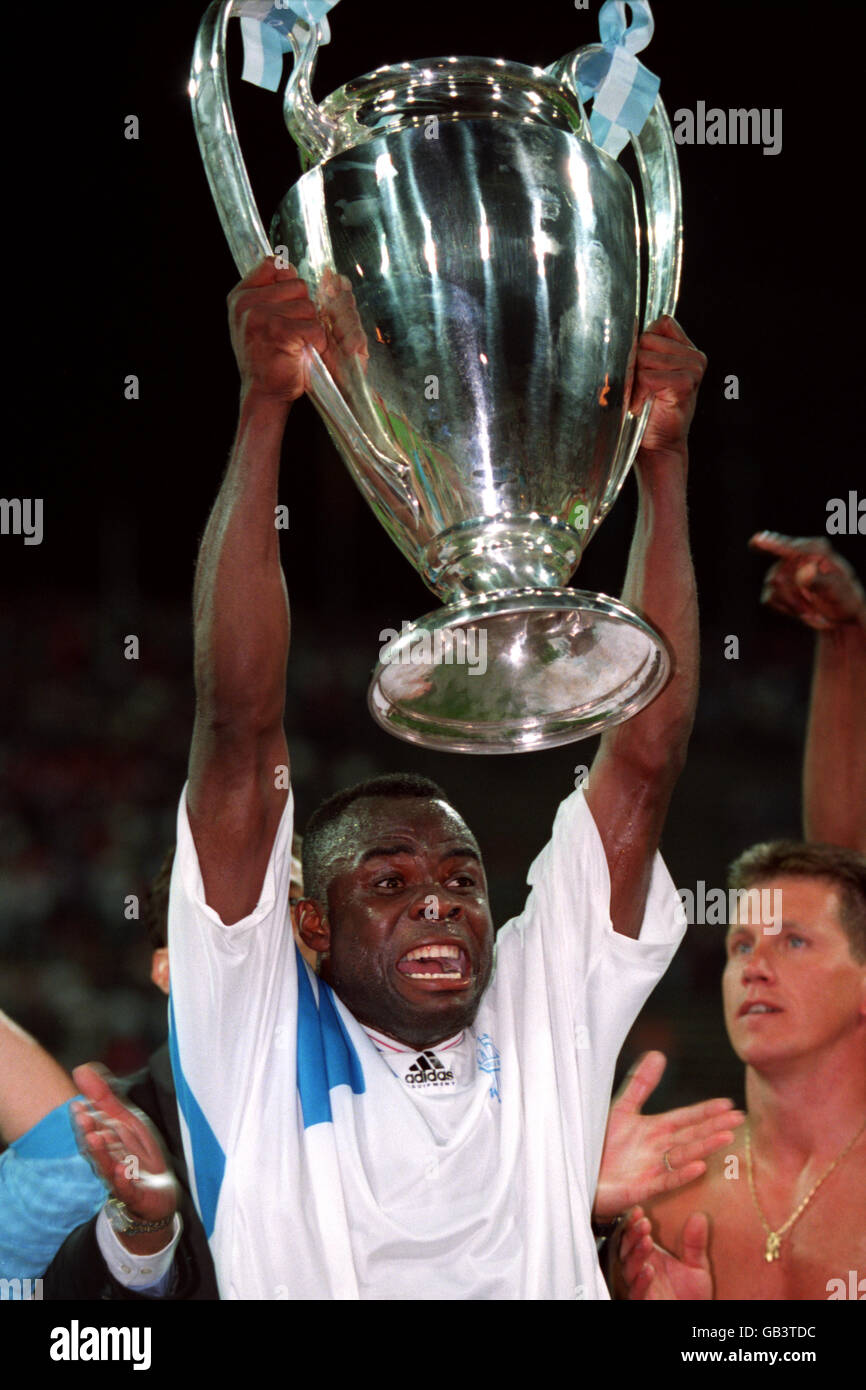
(485, 257)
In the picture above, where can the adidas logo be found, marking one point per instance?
(428, 1070)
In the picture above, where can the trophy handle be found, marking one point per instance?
(218, 142)
(656, 156)
(245, 232)
(315, 134)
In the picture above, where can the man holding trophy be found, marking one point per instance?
(424, 1115)
(417, 1121)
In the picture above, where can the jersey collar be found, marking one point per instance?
(386, 1044)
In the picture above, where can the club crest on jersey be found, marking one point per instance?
(487, 1055)
(428, 1070)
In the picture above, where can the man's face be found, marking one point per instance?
(798, 991)
(411, 938)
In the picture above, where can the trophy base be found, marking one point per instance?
(517, 670)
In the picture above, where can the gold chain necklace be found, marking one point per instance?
(774, 1238)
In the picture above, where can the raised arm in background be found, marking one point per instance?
(638, 763)
(810, 582)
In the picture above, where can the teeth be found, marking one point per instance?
(433, 953)
(429, 975)
(759, 1009)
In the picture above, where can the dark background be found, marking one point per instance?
(119, 266)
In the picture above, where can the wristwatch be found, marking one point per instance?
(127, 1223)
(603, 1230)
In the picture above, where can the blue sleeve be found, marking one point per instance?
(46, 1189)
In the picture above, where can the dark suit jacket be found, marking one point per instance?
(78, 1270)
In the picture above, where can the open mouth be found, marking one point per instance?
(755, 1008)
(439, 964)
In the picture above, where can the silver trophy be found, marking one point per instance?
(480, 394)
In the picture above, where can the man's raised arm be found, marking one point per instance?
(810, 582)
(240, 603)
(638, 762)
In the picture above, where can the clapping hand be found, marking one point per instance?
(645, 1155)
(652, 1273)
(124, 1149)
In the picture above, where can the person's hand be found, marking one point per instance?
(633, 1166)
(338, 311)
(123, 1147)
(809, 581)
(652, 1273)
(273, 323)
(669, 370)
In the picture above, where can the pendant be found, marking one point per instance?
(773, 1246)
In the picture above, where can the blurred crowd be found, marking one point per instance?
(89, 786)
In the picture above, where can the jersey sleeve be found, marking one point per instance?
(562, 969)
(233, 1001)
(566, 921)
(47, 1188)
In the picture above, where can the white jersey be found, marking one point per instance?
(321, 1171)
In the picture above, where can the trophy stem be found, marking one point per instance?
(503, 553)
